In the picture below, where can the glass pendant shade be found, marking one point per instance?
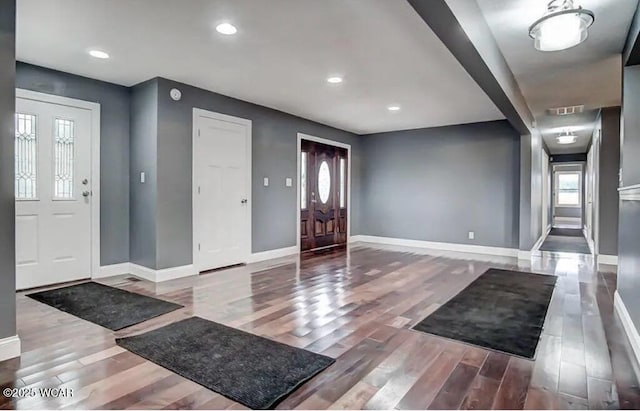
(567, 139)
(562, 27)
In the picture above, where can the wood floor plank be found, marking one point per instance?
(512, 393)
(454, 390)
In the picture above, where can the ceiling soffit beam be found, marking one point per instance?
(460, 25)
(631, 52)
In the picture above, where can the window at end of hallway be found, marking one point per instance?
(569, 189)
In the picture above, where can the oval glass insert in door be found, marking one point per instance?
(324, 182)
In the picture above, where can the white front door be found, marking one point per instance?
(221, 187)
(53, 186)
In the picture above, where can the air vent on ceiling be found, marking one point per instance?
(566, 111)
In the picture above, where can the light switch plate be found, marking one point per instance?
(142, 177)
(288, 182)
(472, 235)
(266, 182)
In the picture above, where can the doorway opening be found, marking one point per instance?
(324, 194)
(568, 196)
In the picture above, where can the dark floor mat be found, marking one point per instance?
(565, 244)
(109, 307)
(246, 368)
(501, 310)
(567, 232)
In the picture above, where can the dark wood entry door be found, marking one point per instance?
(323, 196)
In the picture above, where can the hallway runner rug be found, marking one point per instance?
(109, 307)
(244, 367)
(501, 310)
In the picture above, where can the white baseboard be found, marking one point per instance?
(113, 269)
(271, 254)
(527, 255)
(9, 348)
(173, 273)
(627, 324)
(590, 242)
(461, 248)
(164, 274)
(608, 259)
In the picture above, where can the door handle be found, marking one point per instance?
(86, 193)
(244, 201)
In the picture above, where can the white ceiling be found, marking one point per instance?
(588, 74)
(281, 56)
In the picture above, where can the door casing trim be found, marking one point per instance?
(94, 108)
(302, 136)
(197, 113)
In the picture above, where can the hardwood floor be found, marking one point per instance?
(356, 306)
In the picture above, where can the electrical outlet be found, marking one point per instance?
(472, 235)
(288, 182)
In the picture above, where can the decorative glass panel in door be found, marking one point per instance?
(63, 157)
(26, 157)
(324, 182)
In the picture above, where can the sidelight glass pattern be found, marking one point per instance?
(324, 182)
(303, 181)
(63, 157)
(26, 162)
(342, 182)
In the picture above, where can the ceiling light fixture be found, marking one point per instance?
(562, 27)
(393, 108)
(567, 138)
(334, 80)
(98, 54)
(226, 28)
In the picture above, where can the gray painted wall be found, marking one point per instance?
(7, 171)
(631, 105)
(437, 184)
(530, 216)
(274, 156)
(609, 181)
(629, 225)
(629, 259)
(535, 225)
(144, 157)
(525, 237)
(114, 148)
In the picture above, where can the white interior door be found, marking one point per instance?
(221, 183)
(53, 193)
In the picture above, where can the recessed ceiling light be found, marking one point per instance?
(99, 54)
(226, 28)
(393, 108)
(334, 80)
(562, 27)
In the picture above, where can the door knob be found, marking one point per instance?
(86, 193)
(244, 201)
